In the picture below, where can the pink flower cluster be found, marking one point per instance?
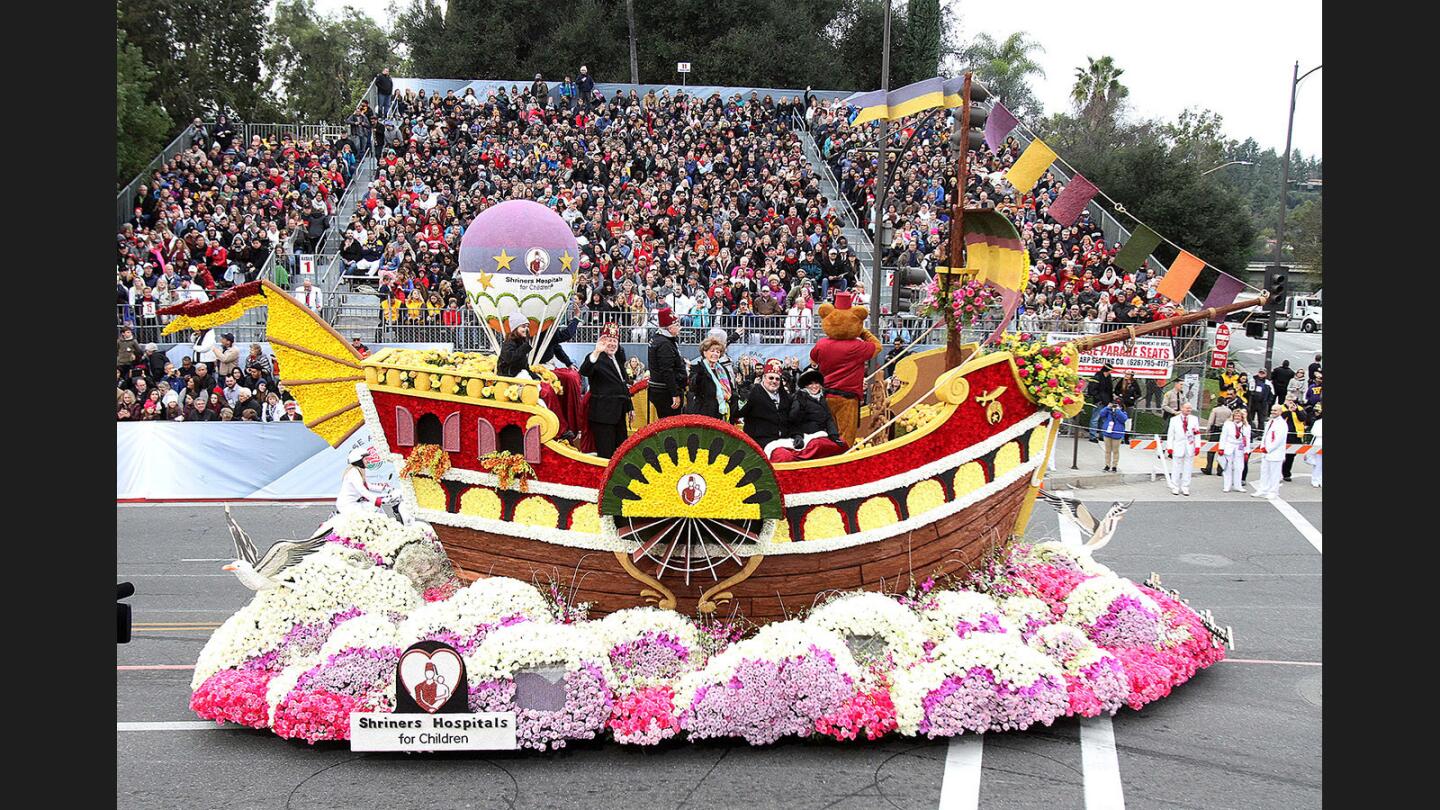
(1126, 623)
(976, 701)
(988, 623)
(872, 712)
(314, 716)
(440, 593)
(233, 696)
(766, 700)
(1100, 688)
(1154, 671)
(588, 706)
(357, 672)
(359, 546)
(645, 716)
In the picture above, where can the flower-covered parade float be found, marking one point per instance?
(687, 587)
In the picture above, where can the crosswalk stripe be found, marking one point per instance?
(960, 788)
(1101, 765)
(191, 725)
(1298, 521)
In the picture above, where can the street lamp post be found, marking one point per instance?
(1223, 165)
(1284, 195)
(877, 275)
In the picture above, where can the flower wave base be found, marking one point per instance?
(1035, 634)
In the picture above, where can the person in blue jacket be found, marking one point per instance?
(1112, 421)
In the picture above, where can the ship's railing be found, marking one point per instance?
(386, 371)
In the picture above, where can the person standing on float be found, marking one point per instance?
(1273, 444)
(1182, 442)
(611, 410)
(667, 367)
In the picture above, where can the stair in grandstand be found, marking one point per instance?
(355, 314)
(858, 238)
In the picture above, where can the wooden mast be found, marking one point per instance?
(1132, 332)
(954, 356)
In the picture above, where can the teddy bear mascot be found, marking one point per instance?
(841, 357)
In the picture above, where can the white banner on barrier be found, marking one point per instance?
(162, 461)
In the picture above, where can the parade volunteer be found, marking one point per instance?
(1234, 450)
(1274, 446)
(355, 491)
(1182, 442)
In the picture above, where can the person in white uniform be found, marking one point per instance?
(1317, 460)
(1182, 442)
(1234, 445)
(1273, 443)
(355, 491)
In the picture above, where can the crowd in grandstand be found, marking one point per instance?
(210, 217)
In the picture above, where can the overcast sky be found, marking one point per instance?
(1231, 56)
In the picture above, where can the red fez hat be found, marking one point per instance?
(843, 300)
(610, 330)
(666, 318)
(773, 366)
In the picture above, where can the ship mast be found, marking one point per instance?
(1132, 332)
(953, 354)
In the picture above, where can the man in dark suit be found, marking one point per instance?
(667, 368)
(611, 410)
(767, 410)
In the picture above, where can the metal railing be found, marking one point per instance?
(125, 200)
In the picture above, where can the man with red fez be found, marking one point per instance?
(668, 370)
(610, 408)
(766, 412)
(841, 357)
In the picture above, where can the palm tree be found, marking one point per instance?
(1006, 66)
(1097, 86)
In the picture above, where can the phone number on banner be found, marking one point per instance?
(1149, 358)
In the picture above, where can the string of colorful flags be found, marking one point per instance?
(1037, 159)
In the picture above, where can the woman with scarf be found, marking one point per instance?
(711, 386)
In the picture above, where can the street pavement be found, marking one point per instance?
(1243, 734)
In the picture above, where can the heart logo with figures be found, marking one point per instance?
(430, 676)
(691, 488)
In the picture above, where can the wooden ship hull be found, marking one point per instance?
(933, 501)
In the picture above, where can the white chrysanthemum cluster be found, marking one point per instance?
(484, 601)
(773, 642)
(949, 608)
(632, 623)
(370, 631)
(1007, 658)
(508, 650)
(315, 589)
(866, 613)
(1091, 599)
(380, 535)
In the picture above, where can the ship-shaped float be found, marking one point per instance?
(689, 514)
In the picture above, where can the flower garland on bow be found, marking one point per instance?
(968, 301)
(1050, 375)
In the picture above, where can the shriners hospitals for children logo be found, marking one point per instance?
(536, 260)
(691, 489)
(430, 673)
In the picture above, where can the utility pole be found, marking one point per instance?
(1284, 197)
(634, 63)
(877, 277)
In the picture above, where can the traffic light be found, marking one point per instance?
(1277, 293)
(975, 138)
(908, 287)
(1255, 329)
(124, 590)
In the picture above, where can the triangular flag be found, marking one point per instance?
(1223, 293)
(999, 124)
(1136, 248)
(1182, 274)
(1027, 170)
(1072, 200)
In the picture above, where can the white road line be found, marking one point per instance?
(148, 576)
(1298, 521)
(1101, 765)
(960, 788)
(205, 559)
(192, 725)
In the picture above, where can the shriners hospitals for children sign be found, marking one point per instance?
(1149, 358)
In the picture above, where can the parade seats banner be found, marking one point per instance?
(172, 461)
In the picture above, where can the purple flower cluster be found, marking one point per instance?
(989, 623)
(765, 700)
(1100, 688)
(357, 672)
(466, 644)
(974, 701)
(652, 657)
(358, 546)
(588, 704)
(1127, 623)
(301, 641)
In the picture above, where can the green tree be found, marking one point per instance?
(322, 64)
(1097, 92)
(420, 26)
(919, 55)
(1005, 67)
(140, 125)
(1303, 232)
(206, 55)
